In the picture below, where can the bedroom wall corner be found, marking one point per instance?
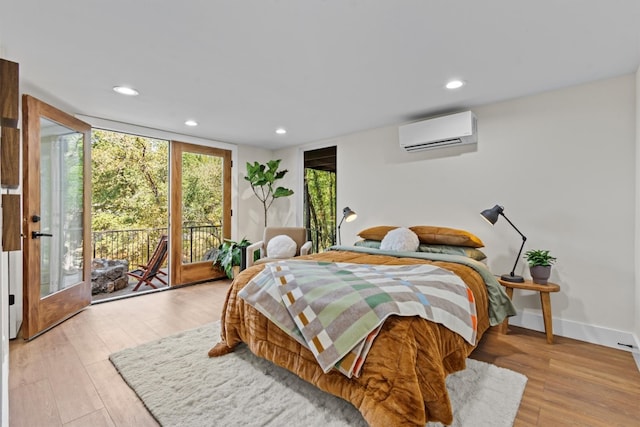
(290, 211)
(249, 213)
(284, 211)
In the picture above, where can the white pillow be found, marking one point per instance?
(281, 246)
(400, 239)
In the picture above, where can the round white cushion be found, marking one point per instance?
(401, 240)
(281, 246)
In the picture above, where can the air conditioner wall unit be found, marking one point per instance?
(443, 131)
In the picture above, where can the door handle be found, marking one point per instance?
(36, 234)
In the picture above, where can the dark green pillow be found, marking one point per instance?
(366, 243)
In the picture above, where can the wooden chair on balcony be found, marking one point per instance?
(146, 274)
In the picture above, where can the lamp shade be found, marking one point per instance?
(492, 214)
(348, 214)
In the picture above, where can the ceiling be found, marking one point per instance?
(319, 68)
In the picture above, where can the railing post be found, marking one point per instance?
(190, 244)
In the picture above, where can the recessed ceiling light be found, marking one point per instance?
(454, 84)
(124, 90)
(281, 131)
(191, 123)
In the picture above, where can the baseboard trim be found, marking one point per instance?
(581, 331)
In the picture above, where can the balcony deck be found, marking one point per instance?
(128, 291)
(137, 245)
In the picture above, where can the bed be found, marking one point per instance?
(403, 378)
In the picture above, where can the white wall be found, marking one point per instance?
(250, 214)
(285, 212)
(583, 138)
(637, 220)
(562, 163)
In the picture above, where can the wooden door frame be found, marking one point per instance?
(181, 274)
(40, 314)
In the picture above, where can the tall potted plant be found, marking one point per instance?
(262, 178)
(540, 262)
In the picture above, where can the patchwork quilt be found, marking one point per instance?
(337, 309)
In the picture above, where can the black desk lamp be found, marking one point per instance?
(491, 215)
(347, 215)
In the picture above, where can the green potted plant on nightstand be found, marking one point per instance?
(540, 262)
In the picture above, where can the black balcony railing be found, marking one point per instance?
(137, 245)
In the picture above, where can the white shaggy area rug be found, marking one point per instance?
(182, 386)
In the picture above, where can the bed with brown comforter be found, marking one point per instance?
(403, 379)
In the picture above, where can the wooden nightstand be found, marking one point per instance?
(545, 301)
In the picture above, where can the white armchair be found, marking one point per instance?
(298, 234)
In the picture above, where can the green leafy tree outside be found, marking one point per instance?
(320, 206)
(129, 178)
(130, 181)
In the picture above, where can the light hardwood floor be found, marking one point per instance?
(64, 377)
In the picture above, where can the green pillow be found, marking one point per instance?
(366, 243)
(467, 251)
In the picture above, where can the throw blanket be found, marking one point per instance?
(336, 309)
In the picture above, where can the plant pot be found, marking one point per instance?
(540, 274)
(243, 258)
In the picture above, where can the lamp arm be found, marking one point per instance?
(516, 228)
(524, 239)
(513, 270)
(339, 234)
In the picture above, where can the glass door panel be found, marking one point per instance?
(202, 206)
(61, 207)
